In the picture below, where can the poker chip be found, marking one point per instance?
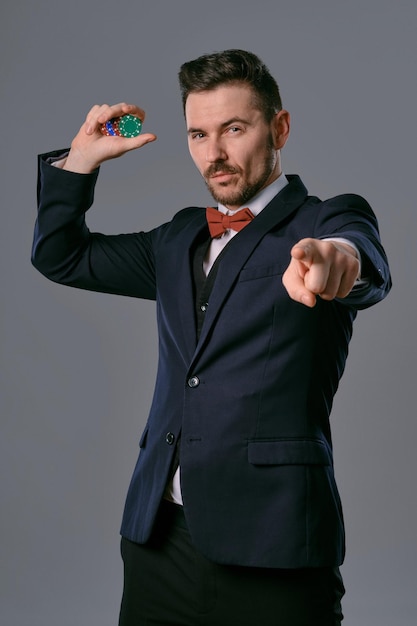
(109, 128)
(129, 126)
(125, 126)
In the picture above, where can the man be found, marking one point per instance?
(232, 515)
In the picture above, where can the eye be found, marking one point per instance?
(234, 130)
(197, 136)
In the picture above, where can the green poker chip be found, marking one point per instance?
(129, 126)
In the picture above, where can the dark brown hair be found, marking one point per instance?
(231, 66)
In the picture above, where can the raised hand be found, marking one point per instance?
(90, 148)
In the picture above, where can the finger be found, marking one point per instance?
(294, 282)
(318, 278)
(347, 282)
(340, 281)
(344, 271)
(332, 287)
(117, 110)
(300, 253)
(132, 143)
(133, 109)
(305, 251)
(91, 121)
(100, 114)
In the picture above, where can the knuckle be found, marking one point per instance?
(329, 248)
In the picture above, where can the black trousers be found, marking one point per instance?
(168, 583)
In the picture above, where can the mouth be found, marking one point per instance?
(222, 177)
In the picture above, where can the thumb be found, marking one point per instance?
(133, 143)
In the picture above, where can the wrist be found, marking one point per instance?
(76, 162)
(345, 247)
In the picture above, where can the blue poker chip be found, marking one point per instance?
(110, 129)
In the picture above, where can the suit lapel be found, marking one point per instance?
(242, 245)
(181, 291)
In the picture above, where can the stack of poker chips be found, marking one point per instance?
(125, 126)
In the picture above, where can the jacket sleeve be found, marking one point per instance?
(65, 251)
(350, 216)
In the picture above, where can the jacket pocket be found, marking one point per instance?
(289, 452)
(262, 271)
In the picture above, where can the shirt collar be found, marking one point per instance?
(262, 198)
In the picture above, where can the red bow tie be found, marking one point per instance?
(218, 222)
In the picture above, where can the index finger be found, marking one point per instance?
(122, 108)
(304, 251)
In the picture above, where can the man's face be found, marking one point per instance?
(232, 145)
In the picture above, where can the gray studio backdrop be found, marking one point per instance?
(78, 367)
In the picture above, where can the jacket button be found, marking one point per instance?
(170, 438)
(194, 381)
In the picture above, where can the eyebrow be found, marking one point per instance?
(232, 120)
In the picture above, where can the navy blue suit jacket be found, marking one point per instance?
(251, 397)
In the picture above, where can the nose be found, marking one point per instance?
(215, 151)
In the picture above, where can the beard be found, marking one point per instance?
(244, 190)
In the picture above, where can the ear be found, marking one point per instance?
(280, 128)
